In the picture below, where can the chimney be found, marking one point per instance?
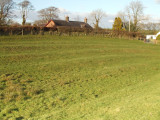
(67, 18)
(85, 20)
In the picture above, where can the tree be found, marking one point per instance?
(77, 18)
(135, 14)
(124, 19)
(118, 25)
(6, 8)
(151, 26)
(96, 17)
(25, 7)
(14, 23)
(48, 13)
(40, 22)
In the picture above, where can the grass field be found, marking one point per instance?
(78, 78)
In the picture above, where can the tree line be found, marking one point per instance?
(131, 19)
(8, 6)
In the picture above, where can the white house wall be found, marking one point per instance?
(152, 36)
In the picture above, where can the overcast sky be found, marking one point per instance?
(82, 8)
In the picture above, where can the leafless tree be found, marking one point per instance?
(25, 7)
(96, 17)
(133, 16)
(40, 23)
(151, 26)
(14, 23)
(135, 13)
(49, 13)
(77, 18)
(123, 17)
(6, 9)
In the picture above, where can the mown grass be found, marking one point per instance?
(78, 78)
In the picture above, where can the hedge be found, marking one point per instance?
(158, 37)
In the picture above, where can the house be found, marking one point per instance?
(68, 23)
(152, 37)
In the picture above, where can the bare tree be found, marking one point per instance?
(77, 18)
(96, 17)
(135, 14)
(122, 15)
(6, 8)
(49, 13)
(151, 26)
(40, 23)
(124, 18)
(25, 7)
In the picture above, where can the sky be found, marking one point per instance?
(82, 8)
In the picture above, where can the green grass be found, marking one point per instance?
(78, 78)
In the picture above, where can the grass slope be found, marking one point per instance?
(78, 78)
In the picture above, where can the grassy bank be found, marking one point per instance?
(78, 78)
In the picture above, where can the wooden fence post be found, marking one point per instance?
(22, 32)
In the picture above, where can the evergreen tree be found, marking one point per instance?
(118, 25)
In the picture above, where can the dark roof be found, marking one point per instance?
(71, 23)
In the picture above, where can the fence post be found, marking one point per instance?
(31, 31)
(11, 32)
(41, 32)
(22, 32)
